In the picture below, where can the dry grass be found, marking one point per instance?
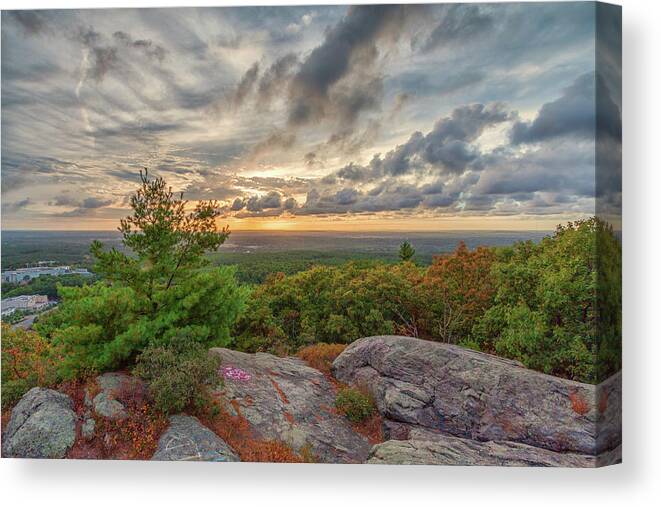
(371, 428)
(321, 355)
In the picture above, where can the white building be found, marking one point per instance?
(32, 303)
(26, 274)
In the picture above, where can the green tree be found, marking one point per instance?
(406, 252)
(330, 305)
(161, 290)
(557, 303)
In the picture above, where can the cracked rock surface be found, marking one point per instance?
(284, 399)
(448, 450)
(42, 425)
(476, 396)
(186, 439)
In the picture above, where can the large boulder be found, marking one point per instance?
(186, 439)
(480, 397)
(284, 399)
(42, 425)
(448, 450)
(104, 396)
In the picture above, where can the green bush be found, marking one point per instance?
(178, 374)
(354, 404)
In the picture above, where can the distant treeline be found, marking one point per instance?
(255, 268)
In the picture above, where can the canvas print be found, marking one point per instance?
(374, 234)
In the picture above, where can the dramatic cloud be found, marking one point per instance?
(583, 106)
(351, 44)
(312, 112)
(447, 147)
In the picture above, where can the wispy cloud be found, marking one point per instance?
(306, 111)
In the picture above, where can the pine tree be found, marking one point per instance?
(154, 293)
(406, 252)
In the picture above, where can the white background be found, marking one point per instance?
(636, 482)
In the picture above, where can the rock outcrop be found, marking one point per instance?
(110, 386)
(284, 399)
(186, 439)
(440, 404)
(429, 449)
(42, 425)
(478, 397)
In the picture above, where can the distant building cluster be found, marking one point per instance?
(26, 274)
(31, 303)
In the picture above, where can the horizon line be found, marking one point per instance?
(290, 231)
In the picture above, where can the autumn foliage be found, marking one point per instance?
(28, 360)
(458, 288)
(321, 355)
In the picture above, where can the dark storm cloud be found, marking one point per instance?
(446, 147)
(66, 199)
(16, 206)
(280, 140)
(30, 21)
(94, 203)
(104, 60)
(459, 24)
(574, 113)
(351, 101)
(350, 43)
(391, 198)
(105, 52)
(268, 201)
(275, 79)
(565, 166)
(351, 172)
(609, 48)
(421, 84)
(246, 85)
(271, 204)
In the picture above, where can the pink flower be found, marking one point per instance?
(232, 373)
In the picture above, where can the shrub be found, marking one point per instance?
(178, 374)
(28, 361)
(321, 355)
(354, 404)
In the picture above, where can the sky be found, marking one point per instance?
(413, 117)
